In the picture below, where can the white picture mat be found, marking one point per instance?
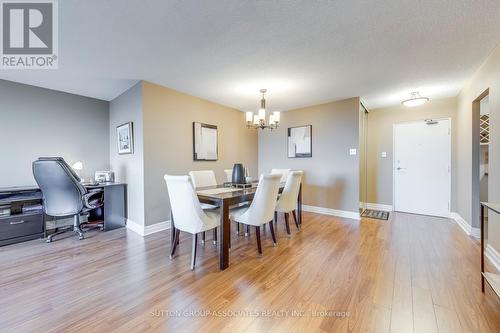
(299, 141)
(125, 138)
(205, 142)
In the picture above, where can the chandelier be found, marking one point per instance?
(259, 120)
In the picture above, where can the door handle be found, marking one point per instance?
(400, 168)
(18, 222)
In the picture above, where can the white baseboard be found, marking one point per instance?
(135, 227)
(330, 211)
(376, 206)
(466, 227)
(160, 226)
(149, 229)
(493, 256)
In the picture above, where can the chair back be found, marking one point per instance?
(283, 172)
(228, 173)
(60, 185)
(290, 194)
(186, 208)
(261, 209)
(203, 178)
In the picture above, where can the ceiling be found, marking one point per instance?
(304, 52)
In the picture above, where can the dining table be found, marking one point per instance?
(225, 196)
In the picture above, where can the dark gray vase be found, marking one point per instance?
(238, 174)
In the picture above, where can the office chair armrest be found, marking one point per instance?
(93, 199)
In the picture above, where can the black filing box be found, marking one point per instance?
(21, 215)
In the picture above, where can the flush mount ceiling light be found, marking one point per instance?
(415, 100)
(259, 120)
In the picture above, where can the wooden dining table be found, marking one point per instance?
(224, 196)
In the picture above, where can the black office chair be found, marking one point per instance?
(63, 195)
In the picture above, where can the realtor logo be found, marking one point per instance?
(29, 34)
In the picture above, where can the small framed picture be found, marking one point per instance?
(205, 142)
(125, 137)
(300, 141)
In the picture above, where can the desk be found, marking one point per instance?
(224, 201)
(114, 211)
(23, 226)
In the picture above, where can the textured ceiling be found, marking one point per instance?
(303, 52)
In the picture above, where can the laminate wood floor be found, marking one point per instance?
(409, 274)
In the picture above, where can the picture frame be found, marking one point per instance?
(299, 142)
(125, 138)
(205, 142)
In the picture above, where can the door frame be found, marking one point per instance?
(450, 129)
(476, 154)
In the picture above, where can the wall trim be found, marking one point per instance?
(493, 256)
(331, 211)
(466, 227)
(135, 227)
(377, 206)
(160, 226)
(149, 229)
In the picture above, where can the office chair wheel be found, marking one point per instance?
(48, 240)
(80, 237)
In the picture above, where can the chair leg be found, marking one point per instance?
(193, 251)
(259, 244)
(174, 243)
(215, 236)
(271, 227)
(238, 229)
(287, 225)
(57, 232)
(295, 219)
(203, 238)
(76, 226)
(247, 230)
(275, 217)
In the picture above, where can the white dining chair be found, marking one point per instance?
(260, 211)
(228, 173)
(204, 178)
(187, 213)
(287, 202)
(283, 172)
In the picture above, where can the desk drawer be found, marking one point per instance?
(18, 226)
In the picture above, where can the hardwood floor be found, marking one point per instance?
(409, 274)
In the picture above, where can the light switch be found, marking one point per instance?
(383, 154)
(353, 151)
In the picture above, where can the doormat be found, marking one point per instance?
(375, 214)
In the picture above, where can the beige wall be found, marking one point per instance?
(380, 129)
(488, 76)
(331, 175)
(168, 142)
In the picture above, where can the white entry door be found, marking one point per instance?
(422, 153)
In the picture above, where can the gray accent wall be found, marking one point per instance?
(129, 168)
(42, 122)
(331, 178)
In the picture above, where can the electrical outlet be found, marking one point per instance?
(353, 151)
(383, 154)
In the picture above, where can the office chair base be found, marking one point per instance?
(57, 232)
